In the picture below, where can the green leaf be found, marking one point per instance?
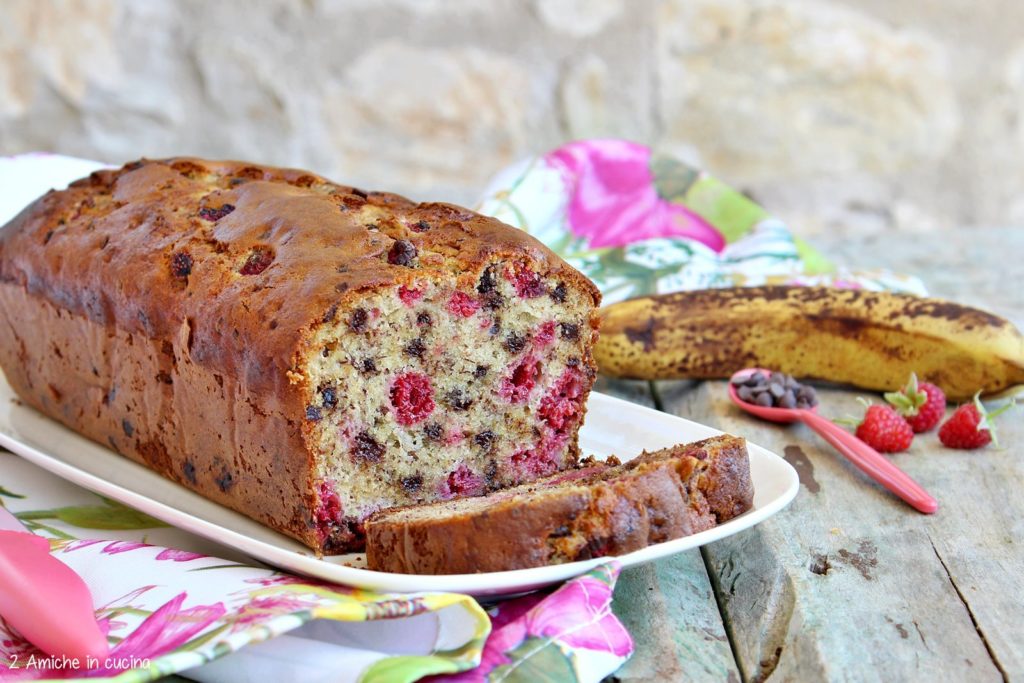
(5, 492)
(536, 660)
(113, 515)
(407, 668)
(730, 212)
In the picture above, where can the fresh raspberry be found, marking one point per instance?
(970, 426)
(885, 430)
(462, 482)
(517, 386)
(533, 464)
(329, 510)
(412, 397)
(545, 334)
(528, 284)
(409, 295)
(561, 404)
(463, 305)
(922, 404)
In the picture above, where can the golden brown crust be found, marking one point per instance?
(195, 286)
(609, 511)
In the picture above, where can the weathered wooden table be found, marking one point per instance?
(849, 583)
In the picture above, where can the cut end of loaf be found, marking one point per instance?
(430, 390)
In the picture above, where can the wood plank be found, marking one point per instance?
(669, 606)
(850, 583)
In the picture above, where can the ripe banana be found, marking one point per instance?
(872, 340)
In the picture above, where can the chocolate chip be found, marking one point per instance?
(487, 282)
(330, 314)
(573, 362)
(402, 253)
(366, 448)
(480, 371)
(128, 428)
(458, 400)
(493, 300)
(415, 348)
(369, 365)
(357, 322)
(189, 470)
(776, 389)
(559, 292)
(569, 331)
(515, 343)
(434, 431)
(181, 264)
(495, 327)
(484, 439)
(420, 226)
(330, 397)
(412, 484)
(313, 413)
(788, 400)
(225, 480)
(213, 215)
(423, 318)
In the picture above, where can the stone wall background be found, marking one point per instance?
(839, 115)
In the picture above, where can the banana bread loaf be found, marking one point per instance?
(595, 511)
(303, 352)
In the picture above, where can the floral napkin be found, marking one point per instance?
(636, 223)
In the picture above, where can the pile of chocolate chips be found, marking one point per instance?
(776, 389)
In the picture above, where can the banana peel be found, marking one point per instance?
(871, 340)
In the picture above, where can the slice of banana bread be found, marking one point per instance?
(303, 352)
(603, 509)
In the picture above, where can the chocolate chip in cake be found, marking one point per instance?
(330, 314)
(559, 292)
(572, 362)
(493, 300)
(357, 321)
(458, 400)
(423, 318)
(181, 264)
(213, 215)
(313, 413)
(415, 348)
(365, 448)
(225, 480)
(480, 371)
(434, 431)
(484, 439)
(128, 428)
(495, 327)
(189, 470)
(487, 282)
(569, 331)
(412, 484)
(402, 253)
(514, 343)
(369, 365)
(259, 259)
(330, 397)
(420, 226)
(359, 193)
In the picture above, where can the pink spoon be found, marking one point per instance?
(44, 599)
(856, 451)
